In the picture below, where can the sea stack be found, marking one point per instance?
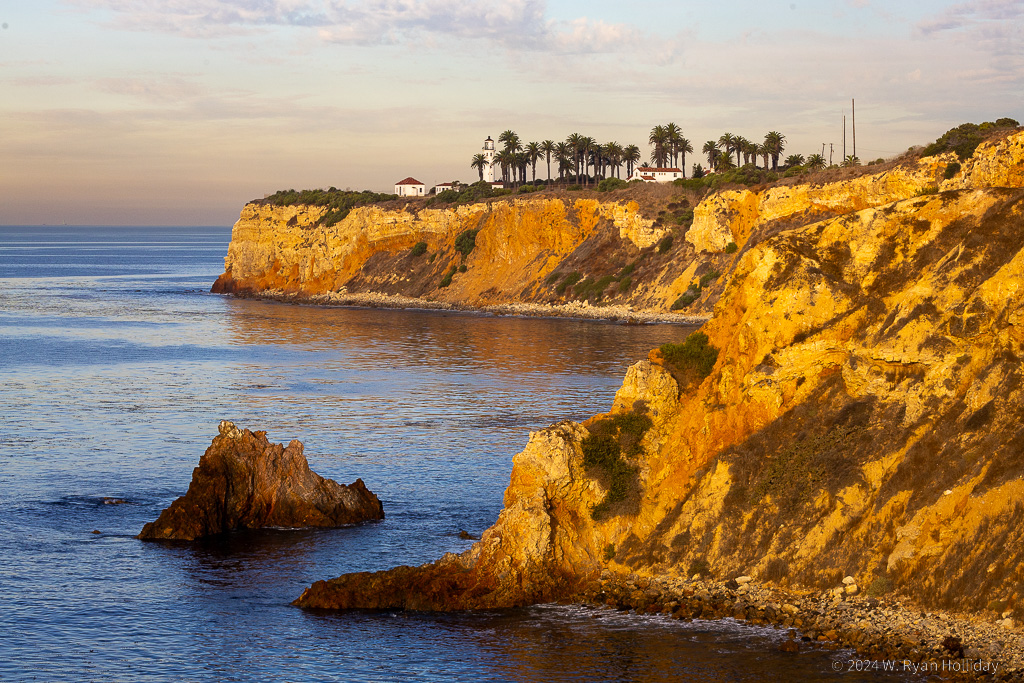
(245, 482)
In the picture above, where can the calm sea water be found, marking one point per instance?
(116, 366)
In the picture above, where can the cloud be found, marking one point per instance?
(973, 15)
(516, 25)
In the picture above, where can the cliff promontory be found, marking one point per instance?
(643, 248)
(853, 408)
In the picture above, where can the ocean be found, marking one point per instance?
(116, 365)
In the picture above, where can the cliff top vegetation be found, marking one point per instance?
(340, 202)
(586, 168)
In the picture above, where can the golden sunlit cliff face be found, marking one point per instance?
(864, 417)
(533, 250)
(518, 244)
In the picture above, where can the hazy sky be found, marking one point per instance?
(179, 111)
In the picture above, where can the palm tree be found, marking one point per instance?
(672, 135)
(728, 143)
(548, 148)
(851, 160)
(816, 162)
(510, 140)
(479, 163)
(683, 146)
(533, 153)
(631, 155)
(739, 143)
(711, 149)
(562, 154)
(775, 142)
(749, 152)
(794, 160)
(614, 151)
(566, 155)
(659, 140)
(506, 159)
(586, 144)
(575, 140)
(764, 151)
(724, 162)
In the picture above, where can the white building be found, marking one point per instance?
(489, 156)
(410, 187)
(650, 174)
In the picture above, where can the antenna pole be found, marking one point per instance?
(853, 106)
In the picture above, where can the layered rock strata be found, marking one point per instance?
(245, 482)
(863, 418)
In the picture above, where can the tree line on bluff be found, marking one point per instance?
(584, 159)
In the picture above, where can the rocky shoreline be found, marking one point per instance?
(573, 310)
(888, 633)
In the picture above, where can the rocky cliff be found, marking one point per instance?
(520, 250)
(641, 248)
(863, 416)
(245, 482)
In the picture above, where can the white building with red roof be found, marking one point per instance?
(650, 174)
(410, 187)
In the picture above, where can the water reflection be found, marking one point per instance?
(455, 342)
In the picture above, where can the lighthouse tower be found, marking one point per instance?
(489, 155)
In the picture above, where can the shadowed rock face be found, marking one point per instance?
(245, 482)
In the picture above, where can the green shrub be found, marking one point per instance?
(686, 298)
(552, 277)
(731, 248)
(966, 137)
(708, 277)
(418, 249)
(609, 184)
(603, 449)
(951, 170)
(432, 257)
(466, 242)
(526, 189)
(609, 552)
(462, 268)
(574, 188)
(447, 279)
(925, 191)
(684, 217)
(444, 197)
(570, 279)
(625, 283)
(665, 244)
(591, 288)
(338, 202)
(692, 360)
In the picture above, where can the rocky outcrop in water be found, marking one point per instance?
(862, 418)
(245, 482)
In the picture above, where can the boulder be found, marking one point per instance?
(245, 482)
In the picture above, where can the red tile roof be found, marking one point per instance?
(409, 181)
(662, 170)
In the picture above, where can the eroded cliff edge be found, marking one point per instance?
(864, 416)
(640, 248)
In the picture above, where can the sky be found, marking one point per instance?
(177, 112)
